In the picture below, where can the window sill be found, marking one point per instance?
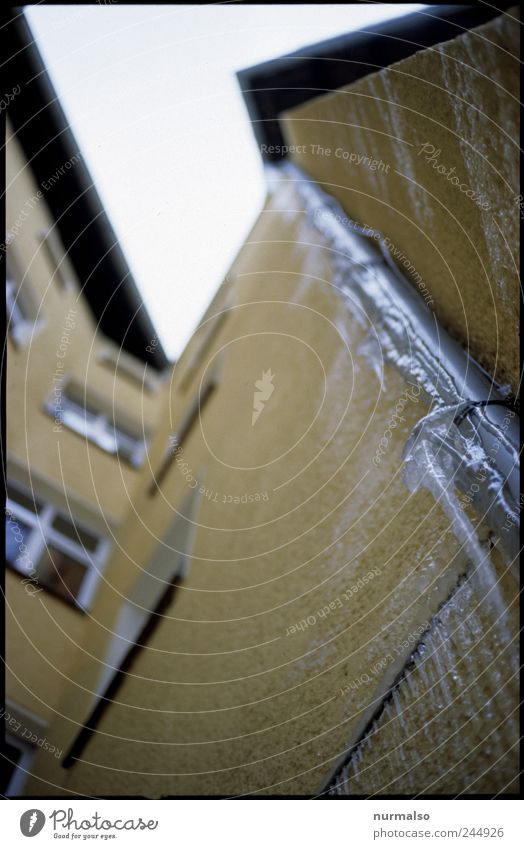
(34, 582)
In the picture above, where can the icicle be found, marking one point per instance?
(399, 710)
(443, 660)
(435, 455)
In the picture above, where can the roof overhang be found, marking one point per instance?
(273, 87)
(48, 143)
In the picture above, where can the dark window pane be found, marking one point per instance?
(77, 400)
(25, 499)
(13, 754)
(16, 537)
(60, 573)
(75, 533)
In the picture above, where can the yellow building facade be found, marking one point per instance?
(67, 495)
(301, 595)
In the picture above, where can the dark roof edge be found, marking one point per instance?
(42, 129)
(272, 87)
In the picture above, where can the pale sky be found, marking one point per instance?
(152, 98)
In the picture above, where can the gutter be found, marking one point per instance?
(476, 424)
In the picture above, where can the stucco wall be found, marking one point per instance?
(43, 634)
(234, 694)
(301, 606)
(427, 152)
(451, 725)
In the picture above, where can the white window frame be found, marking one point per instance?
(169, 562)
(56, 256)
(124, 365)
(43, 534)
(21, 771)
(17, 721)
(98, 427)
(21, 315)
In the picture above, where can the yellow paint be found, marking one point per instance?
(227, 698)
(426, 152)
(43, 634)
(234, 694)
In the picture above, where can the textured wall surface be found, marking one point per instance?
(451, 725)
(43, 633)
(297, 607)
(427, 152)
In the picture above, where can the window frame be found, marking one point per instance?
(42, 535)
(21, 771)
(124, 366)
(21, 314)
(55, 254)
(170, 576)
(97, 426)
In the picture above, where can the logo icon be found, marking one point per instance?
(32, 822)
(263, 391)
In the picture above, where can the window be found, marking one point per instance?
(140, 614)
(70, 408)
(55, 254)
(24, 733)
(20, 755)
(51, 549)
(123, 365)
(21, 313)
